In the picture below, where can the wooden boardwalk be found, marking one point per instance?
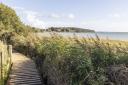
(24, 71)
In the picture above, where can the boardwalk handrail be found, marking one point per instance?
(5, 62)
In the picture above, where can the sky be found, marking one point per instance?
(99, 15)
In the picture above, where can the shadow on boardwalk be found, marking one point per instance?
(23, 71)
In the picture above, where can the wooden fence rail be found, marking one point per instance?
(5, 62)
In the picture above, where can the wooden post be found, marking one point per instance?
(10, 53)
(1, 67)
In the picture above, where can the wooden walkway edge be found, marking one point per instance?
(23, 71)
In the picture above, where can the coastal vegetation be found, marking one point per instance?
(74, 61)
(67, 61)
(5, 62)
(68, 29)
(63, 29)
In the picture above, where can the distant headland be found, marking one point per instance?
(65, 29)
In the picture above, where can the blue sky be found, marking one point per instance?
(99, 15)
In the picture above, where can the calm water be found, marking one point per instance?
(103, 35)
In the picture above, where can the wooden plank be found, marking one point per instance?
(24, 72)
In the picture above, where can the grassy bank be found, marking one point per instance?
(5, 63)
(74, 61)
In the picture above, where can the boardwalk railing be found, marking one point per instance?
(5, 62)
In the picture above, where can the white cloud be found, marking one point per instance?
(53, 15)
(115, 15)
(18, 8)
(36, 19)
(62, 16)
(71, 16)
(33, 19)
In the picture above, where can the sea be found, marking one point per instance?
(123, 36)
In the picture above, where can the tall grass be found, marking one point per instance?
(5, 63)
(75, 61)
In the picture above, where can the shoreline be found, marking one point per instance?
(85, 35)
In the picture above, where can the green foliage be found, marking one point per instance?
(63, 61)
(68, 29)
(69, 61)
(9, 19)
(10, 25)
(5, 63)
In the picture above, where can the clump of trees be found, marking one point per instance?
(68, 29)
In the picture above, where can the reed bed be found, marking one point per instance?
(75, 61)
